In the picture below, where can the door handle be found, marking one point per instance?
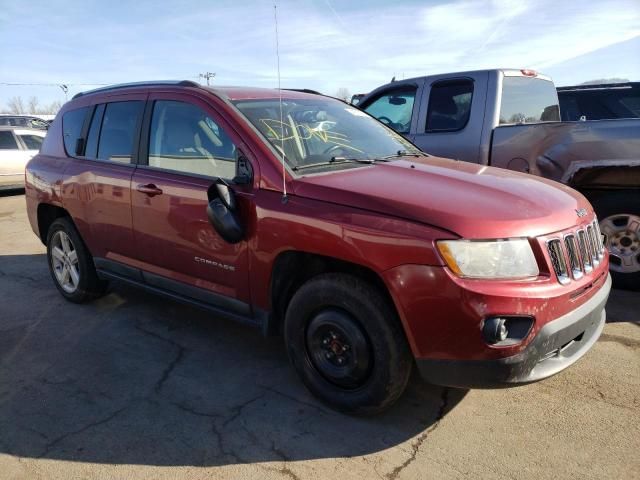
(149, 189)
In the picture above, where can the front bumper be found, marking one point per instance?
(556, 346)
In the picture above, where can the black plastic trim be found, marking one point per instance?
(158, 83)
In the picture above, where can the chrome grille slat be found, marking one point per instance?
(557, 260)
(596, 227)
(593, 245)
(584, 252)
(574, 258)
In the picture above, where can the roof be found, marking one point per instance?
(256, 93)
(227, 92)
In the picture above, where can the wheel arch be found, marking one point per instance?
(46, 215)
(292, 268)
(603, 174)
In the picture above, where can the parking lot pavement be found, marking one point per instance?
(135, 386)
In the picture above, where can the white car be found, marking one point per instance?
(17, 146)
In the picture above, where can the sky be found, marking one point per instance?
(324, 44)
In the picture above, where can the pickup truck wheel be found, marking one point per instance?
(347, 344)
(71, 265)
(619, 216)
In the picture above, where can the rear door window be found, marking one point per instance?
(7, 140)
(118, 134)
(72, 122)
(449, 105)
(394, 108)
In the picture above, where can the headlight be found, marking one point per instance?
(489, 259)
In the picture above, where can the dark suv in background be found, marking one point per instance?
(304, 216)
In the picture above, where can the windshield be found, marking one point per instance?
(528, 100)
(321, 130)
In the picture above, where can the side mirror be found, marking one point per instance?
(222, 212)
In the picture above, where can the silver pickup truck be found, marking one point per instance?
(511, 119)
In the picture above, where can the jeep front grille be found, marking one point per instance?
(577, 253)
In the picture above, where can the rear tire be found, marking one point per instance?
(619, 216)
(347, 344)
(71, 265)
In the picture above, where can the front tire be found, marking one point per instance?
(71, 265)
(347, 344)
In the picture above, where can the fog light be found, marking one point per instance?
(495, 330)
(506, 330)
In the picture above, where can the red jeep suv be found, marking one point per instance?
(304, 216)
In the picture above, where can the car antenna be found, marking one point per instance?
(284, 178)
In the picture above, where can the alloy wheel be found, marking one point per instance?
(64, 260)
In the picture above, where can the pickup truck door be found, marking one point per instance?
(186, 144)
(450, 116)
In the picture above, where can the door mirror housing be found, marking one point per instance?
(222, 212)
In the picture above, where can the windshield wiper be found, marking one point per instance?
(402, 153)
(334, 161)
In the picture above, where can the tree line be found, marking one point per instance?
(18, 106)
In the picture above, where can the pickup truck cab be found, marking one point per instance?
(303, 216)
(510, 119)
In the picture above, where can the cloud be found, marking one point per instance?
(324, 44)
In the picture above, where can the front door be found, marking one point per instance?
(187, 147)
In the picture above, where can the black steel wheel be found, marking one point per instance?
(346, 342)
(338, 348)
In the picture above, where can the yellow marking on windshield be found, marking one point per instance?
(307, 133)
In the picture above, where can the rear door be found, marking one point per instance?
(187, 145)
(97, 185)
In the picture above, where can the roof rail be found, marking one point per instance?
(600, 86)
(303, 90)
(181, 83)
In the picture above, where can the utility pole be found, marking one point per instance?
(207, 75)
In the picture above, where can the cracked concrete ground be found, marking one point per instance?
(135, 386)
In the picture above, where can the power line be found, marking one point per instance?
(6, 84)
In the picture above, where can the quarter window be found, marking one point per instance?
(72, 122)
(394, 109)
(185, 139)
(118, 133)
(449, 106)
(7, 140)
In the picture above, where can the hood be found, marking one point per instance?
(470, 200)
